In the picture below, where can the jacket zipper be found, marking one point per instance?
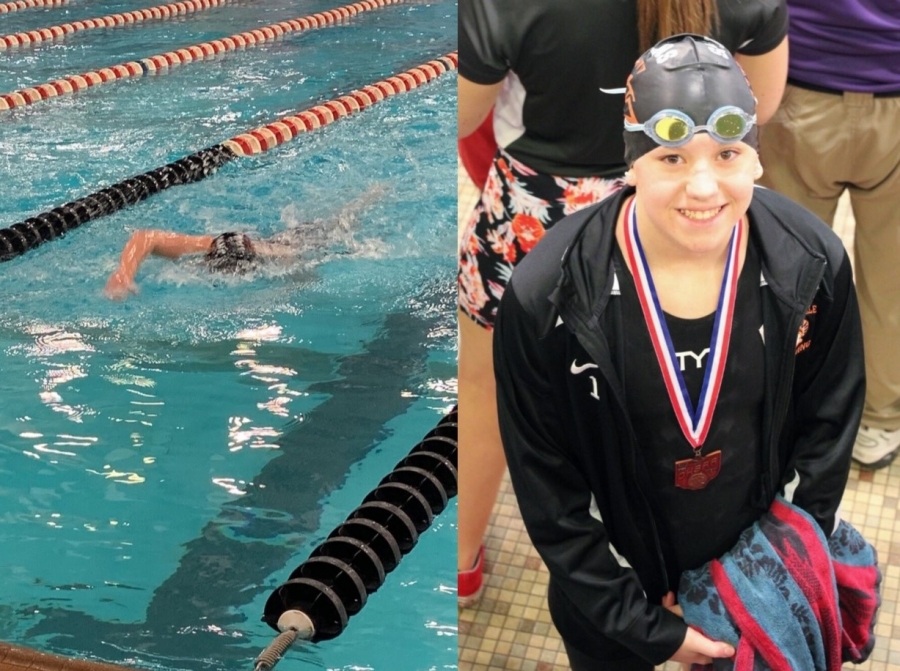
(783, 392)
(579, 329)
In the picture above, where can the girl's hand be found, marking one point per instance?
(668, 603)
(696, 648)
(119, 286)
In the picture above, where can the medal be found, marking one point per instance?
(694, 473)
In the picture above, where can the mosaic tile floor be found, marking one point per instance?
(510, 628)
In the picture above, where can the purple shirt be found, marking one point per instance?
(848, 45)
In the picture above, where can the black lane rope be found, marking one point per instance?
(25, 235)
(28, 234)
(333, 584)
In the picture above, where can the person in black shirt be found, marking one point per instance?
(668, 361)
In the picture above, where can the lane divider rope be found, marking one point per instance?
(25, 235)
(110, 21)
(288, 127)
(333, 584)
(198, 52)
(7, 7)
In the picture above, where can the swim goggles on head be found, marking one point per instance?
(672, 128)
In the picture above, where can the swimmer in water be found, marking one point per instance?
(231, 253)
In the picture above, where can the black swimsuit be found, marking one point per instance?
(698, 525)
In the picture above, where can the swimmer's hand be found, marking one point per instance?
(696, 648)
(119, 285)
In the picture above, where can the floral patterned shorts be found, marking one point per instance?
(517, 207)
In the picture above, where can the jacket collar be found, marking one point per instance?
(790, 266)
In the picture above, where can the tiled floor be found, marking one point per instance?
(511, 629)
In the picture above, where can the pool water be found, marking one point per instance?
(168, 460)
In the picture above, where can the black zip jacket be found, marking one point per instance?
(571, 449)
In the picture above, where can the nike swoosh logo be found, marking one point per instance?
(575, 369)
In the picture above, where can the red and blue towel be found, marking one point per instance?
(787, 598)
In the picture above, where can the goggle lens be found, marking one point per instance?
(671, 129)
(730, 126)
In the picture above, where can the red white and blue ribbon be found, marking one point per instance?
(694, 422)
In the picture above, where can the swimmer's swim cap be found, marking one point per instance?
(231, 253)
(691, 74)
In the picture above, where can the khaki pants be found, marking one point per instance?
(817, 146)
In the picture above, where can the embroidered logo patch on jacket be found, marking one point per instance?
(803, 341)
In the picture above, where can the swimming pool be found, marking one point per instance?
(168, 460)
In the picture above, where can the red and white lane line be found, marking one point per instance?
(262, 35)
(287, 128)
(7, 7)
(198, 52)
(111, 21)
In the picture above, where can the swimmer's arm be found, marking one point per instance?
(142, 244)
(274, 250)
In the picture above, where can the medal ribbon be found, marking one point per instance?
(694, 423)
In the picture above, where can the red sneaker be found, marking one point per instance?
(470, 583)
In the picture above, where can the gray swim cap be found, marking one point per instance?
(696, 77)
